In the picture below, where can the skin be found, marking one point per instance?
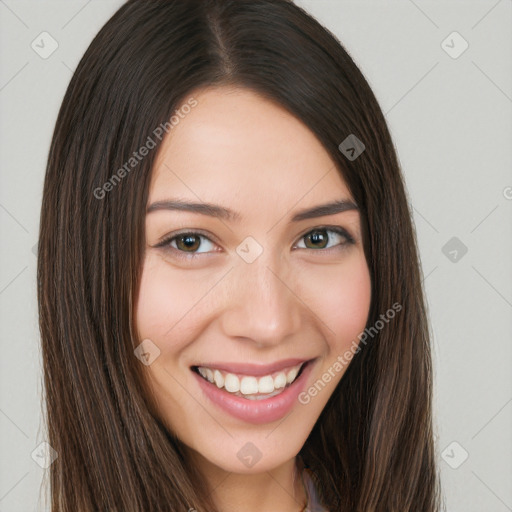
(297, 299)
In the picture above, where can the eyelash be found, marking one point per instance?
(165, 243)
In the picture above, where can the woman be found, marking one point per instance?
(231, 308)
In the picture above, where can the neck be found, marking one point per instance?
(278, 489)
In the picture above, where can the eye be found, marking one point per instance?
(186, 244)
(319, 238)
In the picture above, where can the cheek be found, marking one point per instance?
(154, 302)
(165, 303)
(342, 300)
(166, 311)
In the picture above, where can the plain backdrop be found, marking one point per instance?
(442, 72)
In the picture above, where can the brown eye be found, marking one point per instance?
(320, 238)
(188, 242)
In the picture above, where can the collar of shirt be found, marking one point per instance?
(314, 504)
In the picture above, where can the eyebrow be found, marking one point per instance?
(214, 210)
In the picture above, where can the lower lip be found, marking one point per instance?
(257, 411)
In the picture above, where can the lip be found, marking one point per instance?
(257, 411)
(256, 370)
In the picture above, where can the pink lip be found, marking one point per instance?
(254, 369)
(257, 411)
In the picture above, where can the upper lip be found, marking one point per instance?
(254, 369)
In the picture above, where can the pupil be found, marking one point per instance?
(189, 241)
(317, 237)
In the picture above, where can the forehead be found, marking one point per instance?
(235, 146)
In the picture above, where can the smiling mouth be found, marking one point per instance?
(251, 387)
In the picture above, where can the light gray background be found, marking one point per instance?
(452, 126)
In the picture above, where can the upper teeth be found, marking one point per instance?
(248, 385)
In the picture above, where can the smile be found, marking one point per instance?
(249, 386)
(254, 393)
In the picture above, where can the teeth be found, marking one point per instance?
(260, 397)
(218, 378)
(265, 384)
(231, 383)
(268, 385)
(290, 376)
(280, 380)
(249, 386)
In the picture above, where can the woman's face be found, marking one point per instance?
(249, 295)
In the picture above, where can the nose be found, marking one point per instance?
(262, 304)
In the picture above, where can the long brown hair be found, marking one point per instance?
(372, 448)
